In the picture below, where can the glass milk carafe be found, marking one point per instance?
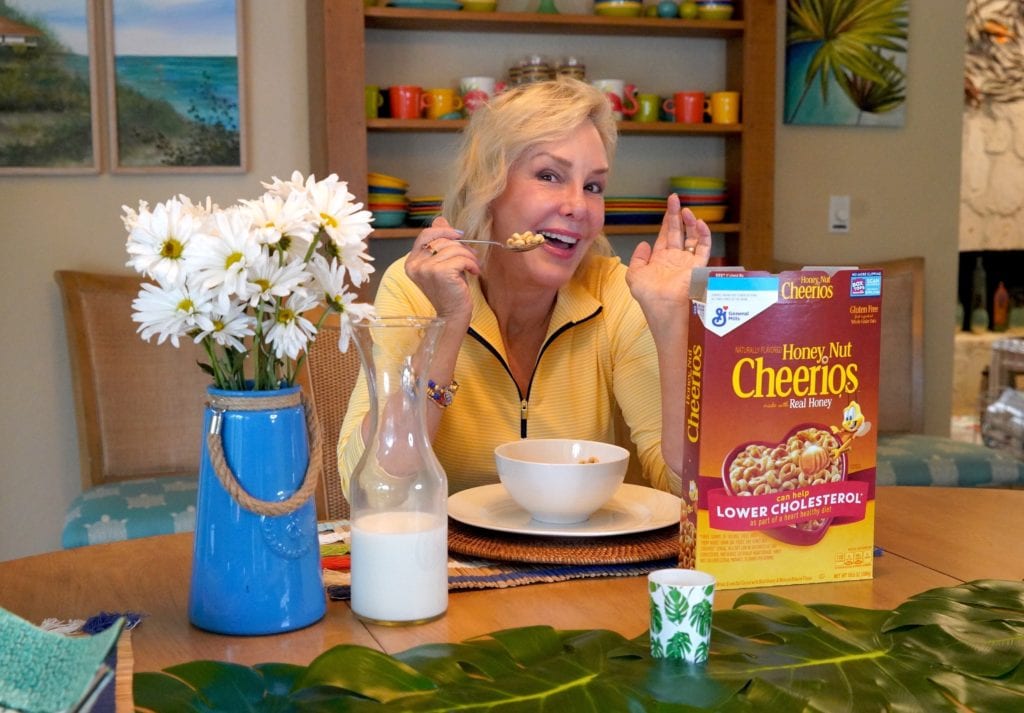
(398, 492)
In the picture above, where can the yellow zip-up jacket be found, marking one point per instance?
(598, 351)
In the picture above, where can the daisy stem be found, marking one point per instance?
(313, 245)
(218, 374)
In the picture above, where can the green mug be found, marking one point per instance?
(374, 101)
(647, 106)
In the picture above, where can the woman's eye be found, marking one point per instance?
(595, 188)
(547, 176)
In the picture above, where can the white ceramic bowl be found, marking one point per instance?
(561, 480)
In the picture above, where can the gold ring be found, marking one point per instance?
(692, 249)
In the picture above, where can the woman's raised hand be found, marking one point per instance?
(659, 276)
(438, 264)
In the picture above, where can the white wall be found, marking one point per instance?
(73, 222)
(904, 183)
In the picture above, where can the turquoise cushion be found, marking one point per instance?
(130, 509)
(914, 459)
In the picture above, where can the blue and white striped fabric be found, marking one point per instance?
(915, 459)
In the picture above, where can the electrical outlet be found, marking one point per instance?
(839, 214)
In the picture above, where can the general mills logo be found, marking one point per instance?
(720, 315)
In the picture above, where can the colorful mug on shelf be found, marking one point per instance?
(477, 91)
(621, 95)
(441, 102)
(647, 106)
(374, 101)
(724, 107)
(686, 107)
(406, 101)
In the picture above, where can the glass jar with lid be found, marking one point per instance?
(571, 67)
(535, 68)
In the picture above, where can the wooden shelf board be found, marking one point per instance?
(625, 127)
(458, 21)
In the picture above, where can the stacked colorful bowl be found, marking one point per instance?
(423, 209)
(704, 195)
(714, 9)
(633, 210)
(387, 200)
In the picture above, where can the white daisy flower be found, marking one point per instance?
(269, 279)
(229, 328)
(200, 211)
(288, 331)
(159, 240)
(169, 312)
(286, 223)
(328, 280)
(226, 276)
(352, 311)
(221, 260)
(130, 216)
(283, 189)
(356, 259)
(343, 220)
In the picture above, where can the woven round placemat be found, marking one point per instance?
(641, 547)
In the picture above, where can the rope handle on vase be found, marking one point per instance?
(215, 445)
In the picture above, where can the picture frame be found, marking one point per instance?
(53, 126)
(176, 86)
(846, 70)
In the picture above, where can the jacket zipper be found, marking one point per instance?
(524, 401)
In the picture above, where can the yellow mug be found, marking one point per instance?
(724, 107)
(441, 102)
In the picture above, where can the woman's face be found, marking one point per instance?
(555, 189)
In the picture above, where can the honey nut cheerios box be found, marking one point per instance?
(781, 392)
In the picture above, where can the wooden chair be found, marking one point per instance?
(906, 455)
(328, 378)
(139, 412)
(901, 368)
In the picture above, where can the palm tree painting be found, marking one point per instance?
(846, 62)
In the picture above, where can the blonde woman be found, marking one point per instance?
(543, 344)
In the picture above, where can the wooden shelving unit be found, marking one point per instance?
(338, 126)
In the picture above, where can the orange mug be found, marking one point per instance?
(686, 107)
(406, 101)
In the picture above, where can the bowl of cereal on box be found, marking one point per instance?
(561, 480)
(807, 459)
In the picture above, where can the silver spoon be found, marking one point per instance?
(518, 243)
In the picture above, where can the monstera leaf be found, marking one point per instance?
(951, 649)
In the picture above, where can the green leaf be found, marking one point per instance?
(952, 649)
(656, 623)
(700, 617)
(679, 645)
(675, 606)
(364, 671)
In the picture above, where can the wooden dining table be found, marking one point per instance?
(929, 537)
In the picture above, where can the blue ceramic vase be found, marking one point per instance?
(253, 573)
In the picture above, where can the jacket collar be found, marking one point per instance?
(574, 303)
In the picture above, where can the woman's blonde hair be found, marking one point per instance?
(505, 128)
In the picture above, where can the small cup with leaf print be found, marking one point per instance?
(681, 602)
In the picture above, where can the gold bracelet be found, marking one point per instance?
(442, 396)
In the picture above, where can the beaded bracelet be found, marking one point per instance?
(442, 396)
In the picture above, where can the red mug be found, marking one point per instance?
(686, 107)
(407, 101)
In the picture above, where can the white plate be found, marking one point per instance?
(633, 508)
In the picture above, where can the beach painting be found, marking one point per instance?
(177, 89)
(48, 88)
(846, 62)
